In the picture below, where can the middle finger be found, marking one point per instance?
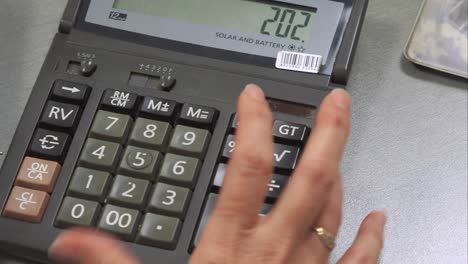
(251, 164)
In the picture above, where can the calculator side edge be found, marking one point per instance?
(345, 56)
(70, 13)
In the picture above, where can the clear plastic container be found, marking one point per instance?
(440, 37)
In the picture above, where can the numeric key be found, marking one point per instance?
(100, 155)
(140, 162)
(89, 184)
(150, 133)
(170, 200)
(180, 170)
(189, 141)
(119, 221)
(77, 212)
(129, 192)
(111, 126)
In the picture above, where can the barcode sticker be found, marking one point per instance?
(295, 61)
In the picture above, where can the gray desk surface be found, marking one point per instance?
(408, 149)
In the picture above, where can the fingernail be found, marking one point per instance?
(382, 216)
(341, 98)
(254, 92)
(62, 255)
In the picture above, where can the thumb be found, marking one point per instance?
(90, 247)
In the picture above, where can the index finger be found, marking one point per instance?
(251, 165)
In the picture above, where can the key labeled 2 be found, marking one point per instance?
(128, 192)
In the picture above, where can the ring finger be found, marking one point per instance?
(330, 220)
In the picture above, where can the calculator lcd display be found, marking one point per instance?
(251, 27)
(286, 21)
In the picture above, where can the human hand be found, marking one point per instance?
(235, 232)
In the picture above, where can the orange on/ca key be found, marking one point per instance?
(26, 204)
(38, 174)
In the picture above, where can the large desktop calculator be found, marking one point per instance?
(132, 120)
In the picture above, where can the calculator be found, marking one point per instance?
(132, 120)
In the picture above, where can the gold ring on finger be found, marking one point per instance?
(327, 238)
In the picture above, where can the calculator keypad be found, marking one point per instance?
(137, 169)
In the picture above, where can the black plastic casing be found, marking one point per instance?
(200, 80)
